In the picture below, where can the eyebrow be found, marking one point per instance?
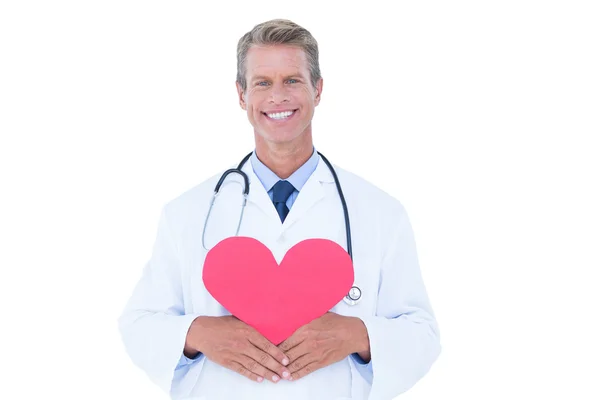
(254, 78)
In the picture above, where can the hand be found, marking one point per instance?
(324, 341)
(237, 346)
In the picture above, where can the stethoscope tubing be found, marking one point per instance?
(239, 171)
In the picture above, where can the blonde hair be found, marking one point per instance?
(278, 31)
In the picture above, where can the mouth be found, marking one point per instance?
(281, 115)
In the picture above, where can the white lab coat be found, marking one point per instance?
(395, 309)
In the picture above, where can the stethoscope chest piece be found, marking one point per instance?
(353, 296)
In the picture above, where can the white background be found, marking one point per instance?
(480, 117)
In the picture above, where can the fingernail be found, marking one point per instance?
(260, 379)
(286, 374)
(286, 361)
(275, 378)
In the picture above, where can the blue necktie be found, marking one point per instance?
(281, 191)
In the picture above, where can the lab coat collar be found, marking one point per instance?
(312, 192)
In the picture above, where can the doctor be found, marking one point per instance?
(189, 345)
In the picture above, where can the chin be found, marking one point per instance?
(279, 137)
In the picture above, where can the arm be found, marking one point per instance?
(153, 325)
(404, 335)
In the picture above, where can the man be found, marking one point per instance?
(194, 349)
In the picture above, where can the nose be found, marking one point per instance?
(278, 94)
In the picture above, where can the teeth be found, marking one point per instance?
(280, 115)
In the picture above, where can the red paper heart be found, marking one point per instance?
(243, 276)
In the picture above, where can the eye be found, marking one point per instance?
(292, 80)
(262, 83)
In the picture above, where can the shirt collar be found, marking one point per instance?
(268, 178)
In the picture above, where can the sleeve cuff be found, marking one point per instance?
(364, 368)
(185, 361)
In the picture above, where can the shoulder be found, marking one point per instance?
(367, 193)
(374, 210)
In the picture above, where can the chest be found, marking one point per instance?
(324, 219)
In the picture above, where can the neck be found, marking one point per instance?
(284, 158)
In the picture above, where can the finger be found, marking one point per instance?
(311, 367)
(257, 368)
(296, 352)
(300, 363)
(263, 344)
(291, 342)
(269, 362)
(240, 369)
(265, 360)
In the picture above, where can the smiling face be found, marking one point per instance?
(279, 98)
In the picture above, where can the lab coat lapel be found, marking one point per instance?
(258, 195)
(311, 193)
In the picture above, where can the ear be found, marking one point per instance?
(240, 95)
(318, 90)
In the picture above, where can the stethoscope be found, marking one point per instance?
(354, 294)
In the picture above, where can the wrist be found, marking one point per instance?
(359, 336)
(192, 343)
(190, 352)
